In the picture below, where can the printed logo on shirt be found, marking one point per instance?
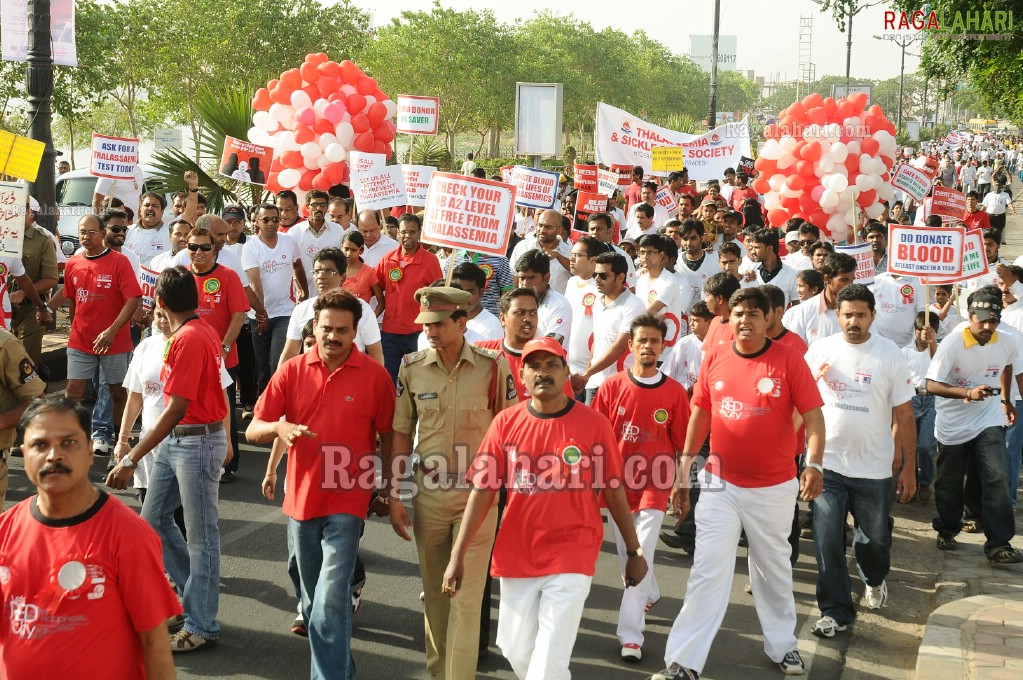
(3, 270)
(651, 296)
(661, 416)
(908, 295)
(27, 371)
(211, 286)
(270, 266)
(630, 432)
(81, 296)
(769, 387)
(736, 410)
(104, 281)
(992, 371)
(862, 377)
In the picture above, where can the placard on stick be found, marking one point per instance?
(417, 182)
(13, 200)
(607, 182)
(666, 158)
(864, 256)
(913, 181)
(114, 157)
(418, 115)
(20, 156)
(379, 188)
(926, 251)
(585, 177)
(948, 204)
(468, 213)
(534, 188)
(244, 161)
(974, 260)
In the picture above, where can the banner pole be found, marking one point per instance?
(451, 268)
(927, 305)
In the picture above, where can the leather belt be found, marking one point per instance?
(193, 430)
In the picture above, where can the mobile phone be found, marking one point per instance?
(995, 391)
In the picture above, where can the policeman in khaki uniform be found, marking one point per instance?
(447, 397)
(19, 386)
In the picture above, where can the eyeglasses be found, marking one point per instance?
(325, 272)
(118, 230)
(269, 220)
(205, 247)
(317, 204)
(601, 275)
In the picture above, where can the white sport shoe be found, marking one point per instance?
(826, 627)
(792, 664)
(875, 598)
(632, 652)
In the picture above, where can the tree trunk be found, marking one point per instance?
(494, 147)
(582, 141)
(71, 141)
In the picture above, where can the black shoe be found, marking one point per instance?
(673, 540)
(947, 542)
(227, 477)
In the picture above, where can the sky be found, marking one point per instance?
(767, 31)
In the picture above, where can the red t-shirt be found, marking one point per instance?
(118, 590)
(191, 370)
(651, 422)
(739, 196)
(558, 462)
(514, 359)
(99, 287)
(719, 333)
(401, 277)
(976, 220)
(790, 339)
(333, 472)
(361, 285)
(633, 195)
(220, 295)
(751, 399)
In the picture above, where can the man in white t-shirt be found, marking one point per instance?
(770, 269)
(995, 204)
(658, 288)
(483, 325)
(683, 361)
(971, 366)
(271, 261)
(599, 226)
(694, 265)
(898, 299)
(815, 318)
(545, 239)
(149, 236)
(377, 244)
(127, 190)
(581, 294)
(317, 232)
(178, 253)
(865, 384)
(634, 226)
(555, 314)
(613, 312)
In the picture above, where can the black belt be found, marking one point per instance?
(193, 430)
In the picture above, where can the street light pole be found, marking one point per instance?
(902, 78)
(848, 49)
(713, 113)
(40, 87)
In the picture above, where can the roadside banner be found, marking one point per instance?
(585, 177)
(417, 182)
(147, 281)
(864, 256)
(607, 182)
(913, 181)
(534, 188)
(622, 138)
(244, 161)
(467, 213)
(379, 188)
(926, 251)
(114, 157)
(974, 260)
(13, 204)
(948, 204)
(418, 115)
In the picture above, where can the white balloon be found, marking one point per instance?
(288, 142)
(837, 183)
(885, 192)
(787, 143)
(322, 162)
(887, 142)
(839, 152)
(864, 182)
(771, 200)
(826, 164)
(853, 146)
(776, 181)
(300, 99)
(318, 107)
(839, 232)
(392, 108)
(335, 153)
(772, 150)
(348, 89)
(786, 161)
(311, 150)
(840, 169)
(874, 210)
(834, 132)
(828, 200)
(311, 163)
(326, 139)
(281, 113)
(345, 134)
(255, 135)
(289, 177)
(812, 131)
(851, 125)
(370, 101)
(264, 121)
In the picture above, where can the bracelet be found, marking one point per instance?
(270, 474)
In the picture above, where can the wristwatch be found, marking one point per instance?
(638, 552)
(816, 466)
(127, 462)
(226, 348)
(193, 191)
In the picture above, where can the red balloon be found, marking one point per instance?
(876, 110)
(766, 166)
(376, 114)
(356, 103)
(365, 85)
(381, 147)
(292, 78)
(323, 126)
(797, 110)
(318, 58)
(292, 159)
(852, 164)
(888, 162)
(383, 133)
(306, 183)
(771, 131)
(273, 185)
(281, 94)
(866, 198)
(344, 165)
(326, 86)
(389, 152)
(817, 115)
(360, 123)
(338, 97)
(806, 202)
(818, 218)
(870, 146)
(312, 91)
(790, 203)
(334, 173)
(794, 182)
(379, 95)
(321, 182)
(261, 101)
(309, 72)
(845, 110)
(350, 72)
(804, 169)
(777, 217)
(273, 83)
(330, 69)
(761, 185)
(364, 142)
(830, 107)
(812, 101)
(812, 151)
(303, 134)
(858, 101)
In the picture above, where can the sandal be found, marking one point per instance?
(187, 641)
(947, 542)
(1005, 555)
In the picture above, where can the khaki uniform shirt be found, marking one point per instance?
(18, 381)
(39, 255)
(451, 410)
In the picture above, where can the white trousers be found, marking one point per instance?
(538, 621)
(723, 512)
(632, 614)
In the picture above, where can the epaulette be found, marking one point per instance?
(412, 356)
(483, 351)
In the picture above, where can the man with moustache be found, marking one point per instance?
(377, 244)
(545, 239)
(317, 232)
(149, 236)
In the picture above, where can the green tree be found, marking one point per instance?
(736, 92)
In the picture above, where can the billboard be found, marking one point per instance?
(841, 91)
(700, 51)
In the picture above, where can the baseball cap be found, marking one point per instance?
(33, 204)
(734, 215)
(544, 344)
(440, 302)
(986, 307)
(233, 212)
(791, 236)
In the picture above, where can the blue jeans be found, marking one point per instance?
(1014, 450)
(103, 426)
(868, 500)
(988, 449)
(186, 472)
(394, 347)
(267, 348)
(325, 550)
(926, 444)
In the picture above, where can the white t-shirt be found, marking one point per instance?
(128, 190)
(559, 275)
(983, 174)
(373, 254)
(951, 320)
(581, 295)
(784, 279)
(995, 204)
(798, 261)
(229, 258)
(696, 279)
(1012, 317)
(610, 322)
(957, 421)
(719, 241)
(896, 302)
(812, 320)
(918, 364)
(485, 325)
(9, 266)
(276, 269)
(682, 362)
(860, 385)
(632, 230)
(677, 301)
(148, 243)
(309, 243)
(167, 260)
(554, 317)
(366, 333)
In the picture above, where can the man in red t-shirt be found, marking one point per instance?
(103, 293)
(222, 304)
(745, 397)
(194, 444)
(634, 192)
(402, 272)
(716, 293)
(974, 217)
(328, 405)
(551, 531)
(83, 590)
(649, 412)
(741, 193)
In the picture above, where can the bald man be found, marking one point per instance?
(546, 240)
(378, 243)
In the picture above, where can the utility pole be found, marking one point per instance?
(848, 49)
(40, 86)
(713, 113)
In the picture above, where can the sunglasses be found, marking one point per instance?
(118, 230)
(602, 275)
(205, 247)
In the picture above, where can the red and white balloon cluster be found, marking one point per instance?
(821, 157)
(314, 116)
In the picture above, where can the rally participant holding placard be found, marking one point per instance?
(546, 240)
(533, 270)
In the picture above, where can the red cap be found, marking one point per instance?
(544, 344)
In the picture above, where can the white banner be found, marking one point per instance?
(14, 16)
(622, 138)
(379, 188)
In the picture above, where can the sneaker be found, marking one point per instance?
(356, 602)
(673, 540)
(748, 588)
(947, 542)
(875, 598)
(806, 527)
(1005, 555)
(102, 448)
(111, 463)
(247, 412)
(226, 477)
(175, 623)
(632, 652)
(792, 664)
(187, 641)
(826, 627)
(972, 526)
(924, 493)
(676, 672)
(298, 626)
